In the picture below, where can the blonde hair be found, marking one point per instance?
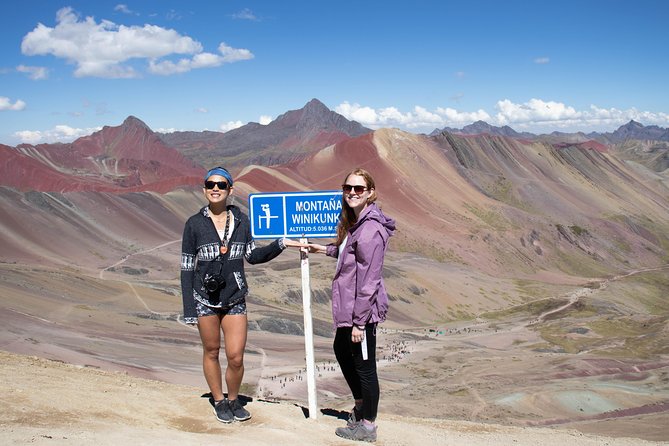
(347, 217)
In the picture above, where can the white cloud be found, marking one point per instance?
(167, 130)
(455, 117)
(233, 54)
(34, 73)
(6, 104)
(231, 125)
(167, 67)
(549, 115)
(202, 110)
(364, 115)
(535, 110)
(60, 133)
(542, 60)
(264, 119)
(124, 9)
(245, 14)
(535, 115)
(106, 50)
(418, 118)
(201, 60)
(538, 115)
(173, 14)
(29, 136)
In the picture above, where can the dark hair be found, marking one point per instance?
(347, 217)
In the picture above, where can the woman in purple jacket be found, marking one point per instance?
(359, 299)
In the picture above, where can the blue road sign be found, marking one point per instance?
(295, 214)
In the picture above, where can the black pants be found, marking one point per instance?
(359, 374)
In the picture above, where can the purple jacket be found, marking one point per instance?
(358, 293)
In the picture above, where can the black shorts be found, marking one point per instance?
(205, 310)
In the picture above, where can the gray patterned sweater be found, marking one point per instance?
(201, 245)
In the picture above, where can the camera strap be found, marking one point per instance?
(226, 235)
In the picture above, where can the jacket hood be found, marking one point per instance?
(372, 212)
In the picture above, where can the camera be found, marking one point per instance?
(213, 282)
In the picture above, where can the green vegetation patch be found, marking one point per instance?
(559, 335)
(129, 270)
(534, 308)
(578, 231)
(580, 264)
(491, 217)
(644, 293)
(428, 249)
(636, 338)
(459, 392)
(627, 319)
(581, 309)
(654, 290)
(502, 190)
(613, 336)
(533, 290)
(656, 232)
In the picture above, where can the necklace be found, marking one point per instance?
(219, 220)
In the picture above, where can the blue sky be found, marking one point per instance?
(70, 67)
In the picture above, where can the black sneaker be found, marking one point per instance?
(223, 412)
(238, 411)
(354, 417)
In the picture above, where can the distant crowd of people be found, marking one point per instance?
(392, 353)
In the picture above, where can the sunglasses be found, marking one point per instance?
(357, 188)
(221, 184)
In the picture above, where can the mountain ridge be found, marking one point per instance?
(289, 137)
(630, 130)
(131, 157)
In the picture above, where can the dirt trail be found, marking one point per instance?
(132, 287)
(587, 291)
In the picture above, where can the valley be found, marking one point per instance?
(556, 360)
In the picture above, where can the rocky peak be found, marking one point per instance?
(135, 123)
(483, 127)
(316, 116)
(636, 130)
(315, 107)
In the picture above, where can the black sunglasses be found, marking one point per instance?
(221, 184)
(357, 188)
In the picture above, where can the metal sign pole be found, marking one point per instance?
(308, 331)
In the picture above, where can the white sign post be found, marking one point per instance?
(308, 332)
(298, 214)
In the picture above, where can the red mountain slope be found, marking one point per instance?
(493, 203)
(129, 157)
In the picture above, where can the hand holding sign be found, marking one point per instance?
(293, 244)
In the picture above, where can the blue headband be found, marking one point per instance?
(219, 171)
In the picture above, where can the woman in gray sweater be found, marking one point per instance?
(216, 240)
